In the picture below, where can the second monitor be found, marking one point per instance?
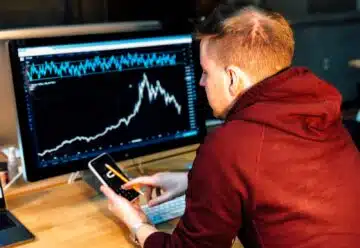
(78, 97)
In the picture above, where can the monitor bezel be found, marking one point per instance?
(31, 171)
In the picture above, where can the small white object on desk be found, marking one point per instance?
(12, 163)
(14, 170)
(6, 151)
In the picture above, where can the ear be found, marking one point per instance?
(239, 81)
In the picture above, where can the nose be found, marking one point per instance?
(202, 81)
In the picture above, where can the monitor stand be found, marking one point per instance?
(88, 177)
(12, 181)
(91, 180)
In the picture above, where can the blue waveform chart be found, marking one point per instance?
(128, 106)
(98, 64)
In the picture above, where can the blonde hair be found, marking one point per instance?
(260, 43)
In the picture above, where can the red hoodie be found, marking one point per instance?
(282, 172)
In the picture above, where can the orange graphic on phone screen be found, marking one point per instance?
(112, 172)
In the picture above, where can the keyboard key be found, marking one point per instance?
(166, 211)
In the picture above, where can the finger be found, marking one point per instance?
(146, 180)
(160, 199)
(148, 193)
(135, 202)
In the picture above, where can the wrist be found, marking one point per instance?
(141, 231)
(134, 229)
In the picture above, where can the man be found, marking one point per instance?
(281, 171)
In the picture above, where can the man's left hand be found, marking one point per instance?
(128, 212)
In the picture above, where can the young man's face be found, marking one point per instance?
(223, 85)
(212, 80)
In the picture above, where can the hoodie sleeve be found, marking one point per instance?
(212, 216)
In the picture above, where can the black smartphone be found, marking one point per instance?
(109, 174)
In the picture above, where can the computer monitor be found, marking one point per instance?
(8, 130)
(128, 94)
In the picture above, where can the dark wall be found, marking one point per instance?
(326, 42)
(26, 13)
(331, 6)
(14, 13)
(327, 49)
(300, 9)
(294, 9)
(155, 9)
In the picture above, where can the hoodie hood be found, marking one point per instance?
(294, 101)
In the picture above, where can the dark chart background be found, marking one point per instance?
(64, 108)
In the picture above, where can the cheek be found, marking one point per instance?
(213, 84)
(217, 85)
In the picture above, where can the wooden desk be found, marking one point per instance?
(73, 215)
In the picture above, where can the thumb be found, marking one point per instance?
(146, 180)
(160, 199)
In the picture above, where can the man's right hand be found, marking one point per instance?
(167, 185)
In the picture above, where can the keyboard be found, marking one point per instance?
(165, 211)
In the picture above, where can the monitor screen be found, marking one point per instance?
(127, 95)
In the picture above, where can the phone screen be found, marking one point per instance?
(99, 166)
